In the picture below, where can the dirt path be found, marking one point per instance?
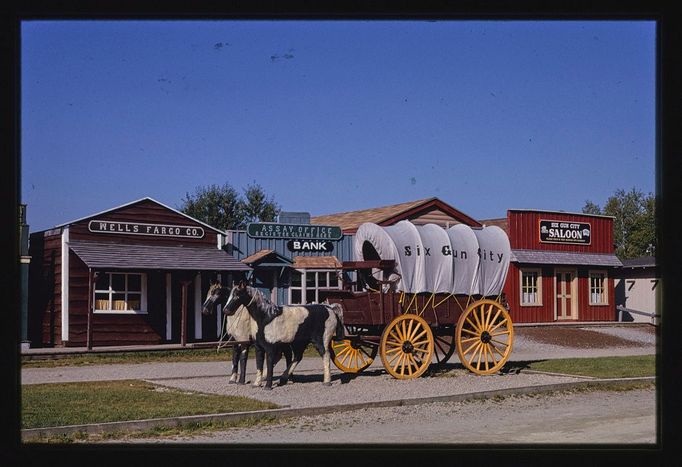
(600, 417)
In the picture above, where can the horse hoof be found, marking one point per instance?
(231, 382)
(267, 388)
(327, 384)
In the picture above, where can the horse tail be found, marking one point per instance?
(338, 311)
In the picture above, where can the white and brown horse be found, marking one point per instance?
(297, 325)
(242, 328)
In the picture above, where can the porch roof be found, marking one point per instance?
(106, 255)
(564, 257)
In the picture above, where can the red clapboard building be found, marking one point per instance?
(131, 275)
(562, 266)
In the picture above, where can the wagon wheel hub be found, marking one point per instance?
(485, 337)
(408, 347)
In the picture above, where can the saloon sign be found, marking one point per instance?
(138, 228)
(577, 233)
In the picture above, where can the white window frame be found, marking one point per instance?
(538, 286)
(605, 286)
(143, 294)
(304, 284)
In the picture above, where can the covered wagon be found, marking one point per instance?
(421, 291)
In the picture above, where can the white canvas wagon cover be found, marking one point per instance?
(459, 260)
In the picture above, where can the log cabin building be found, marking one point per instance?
(132, 275)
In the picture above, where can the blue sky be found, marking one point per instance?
(332, 116)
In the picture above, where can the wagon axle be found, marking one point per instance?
(486, 337)
(408, 347)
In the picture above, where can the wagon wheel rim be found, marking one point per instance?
(406, 346)
(484, 336)
(443, 347)
(353, 355)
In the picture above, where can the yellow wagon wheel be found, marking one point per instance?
(406, 346)
(484, 337)
(353, 355)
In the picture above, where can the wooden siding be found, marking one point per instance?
(241, 246)
(434, 216)
(530, 314)
(523, 231)
(149, 212)
(545, 313)
(44, 298)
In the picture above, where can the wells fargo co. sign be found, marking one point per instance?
(577, 233)
(296, 231)
(139, 228)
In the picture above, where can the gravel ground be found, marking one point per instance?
(565, 418)
(530, 343)
(603, 417)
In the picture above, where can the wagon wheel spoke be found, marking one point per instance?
(484, 337)
(349, 355)
(406, 346)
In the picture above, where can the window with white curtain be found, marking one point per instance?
(531, 287)
(121, 292)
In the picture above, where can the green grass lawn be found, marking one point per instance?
(45, 405)
(600, 367)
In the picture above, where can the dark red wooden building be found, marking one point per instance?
(135, 274)
(562, 266)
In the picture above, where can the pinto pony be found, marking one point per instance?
(242, 328)
(297, 325)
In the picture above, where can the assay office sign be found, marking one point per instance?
(293, 231)
(139, 228)
(576, 233)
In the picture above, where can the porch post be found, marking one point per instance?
(90, 303)
(183, 322)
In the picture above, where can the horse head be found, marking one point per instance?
(216, 294)
(240, 295)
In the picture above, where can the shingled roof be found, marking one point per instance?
(103, 255)
(388, 215)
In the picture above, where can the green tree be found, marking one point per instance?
(634, 228)
(257, 207)
(223, 208)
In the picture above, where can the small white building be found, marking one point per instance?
(637, 286)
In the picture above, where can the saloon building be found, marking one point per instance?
(562, 267)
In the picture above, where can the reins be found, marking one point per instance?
(227, 330)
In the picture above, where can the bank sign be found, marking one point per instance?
(293, 231)
(576, 233)
(138, 228)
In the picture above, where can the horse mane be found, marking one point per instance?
(262, 301)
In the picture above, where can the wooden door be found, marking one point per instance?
(565, 303)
